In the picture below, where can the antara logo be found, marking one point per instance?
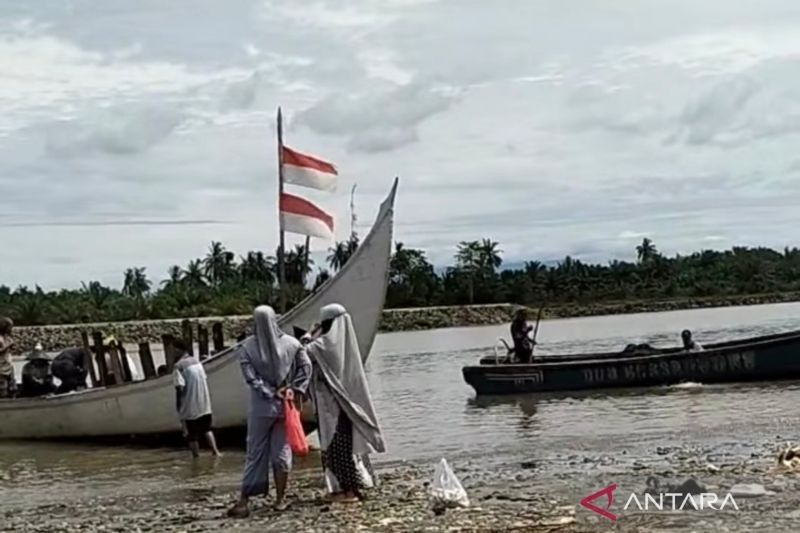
(658, 502)
(608, 492)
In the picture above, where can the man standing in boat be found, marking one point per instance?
(520, 331)
(193, 400)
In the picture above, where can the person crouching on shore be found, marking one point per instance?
(193, 401)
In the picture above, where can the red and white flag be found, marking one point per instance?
(308, 171)
(298, 215)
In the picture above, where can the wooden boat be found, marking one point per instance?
(771, 357)
(147, 408)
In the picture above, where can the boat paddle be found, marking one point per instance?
(536, 330)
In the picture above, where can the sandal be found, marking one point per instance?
(238, 511)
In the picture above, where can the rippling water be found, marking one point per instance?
(427, 411)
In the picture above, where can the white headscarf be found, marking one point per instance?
(270, 350)
(339, 362)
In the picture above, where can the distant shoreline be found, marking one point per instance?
(55, 337)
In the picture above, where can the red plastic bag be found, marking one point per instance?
(295, 435)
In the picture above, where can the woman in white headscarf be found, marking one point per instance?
(348, 427)
(275, 366)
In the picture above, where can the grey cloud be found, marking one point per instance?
(378, 120)
(708, 118)
(122, 130)
(374, 140)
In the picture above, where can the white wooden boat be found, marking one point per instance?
(148, 407)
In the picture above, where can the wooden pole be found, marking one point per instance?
(100, 355)
(169, 352)
(127, 371)
(186, 333)
(282, 245)
(116, 365)
(218, 338)
(202, 341)
(87, 359)
(146, 358)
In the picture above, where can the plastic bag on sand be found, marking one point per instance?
(446, 489)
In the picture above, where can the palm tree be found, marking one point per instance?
(468, 261)
(193, 275)
(322, 276)
(257, 267)
(218, 263)
(296, 267)
(135, 283)
(174, 272)
(646, 251)
(341, 252)
(489, 256)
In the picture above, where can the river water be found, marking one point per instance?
(428, 412)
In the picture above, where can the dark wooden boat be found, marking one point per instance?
(766, 358)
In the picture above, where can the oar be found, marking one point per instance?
(536, 329)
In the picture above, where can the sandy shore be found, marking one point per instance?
(529, 495)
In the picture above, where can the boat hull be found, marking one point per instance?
(771, 358)
(147, 408)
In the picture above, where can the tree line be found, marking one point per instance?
(221, 284)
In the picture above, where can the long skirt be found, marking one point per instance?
(344, 470)
(266, 446)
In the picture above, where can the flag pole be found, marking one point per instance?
(353, 212)
(281, 246)
(308, 251)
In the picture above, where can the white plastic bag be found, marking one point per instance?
(446, 489)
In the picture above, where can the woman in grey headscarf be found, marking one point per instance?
(275, 366)
(348, 427)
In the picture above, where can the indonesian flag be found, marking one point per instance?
(298, 215)
(308, 171)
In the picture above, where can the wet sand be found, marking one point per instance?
(532, 493)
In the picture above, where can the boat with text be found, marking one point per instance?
(765, 358)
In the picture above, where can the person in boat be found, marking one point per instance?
(192, 399)
(689, 344)
(37, 380)
(69, 368)
(8, 383)
(275, 367)
(348, 427)
(520, 331)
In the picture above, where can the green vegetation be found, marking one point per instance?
(219, 284)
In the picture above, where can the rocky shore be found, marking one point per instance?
(539, 494)
(413, 319)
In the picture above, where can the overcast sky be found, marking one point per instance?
(572, 127)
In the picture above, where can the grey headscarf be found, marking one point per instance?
(270, 350)
(339, 362)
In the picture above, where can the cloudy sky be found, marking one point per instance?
(134, 133)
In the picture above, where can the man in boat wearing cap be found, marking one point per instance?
(36, 377)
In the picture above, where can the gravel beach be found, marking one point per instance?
(537, 495)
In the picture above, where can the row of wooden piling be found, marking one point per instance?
(117, 370)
